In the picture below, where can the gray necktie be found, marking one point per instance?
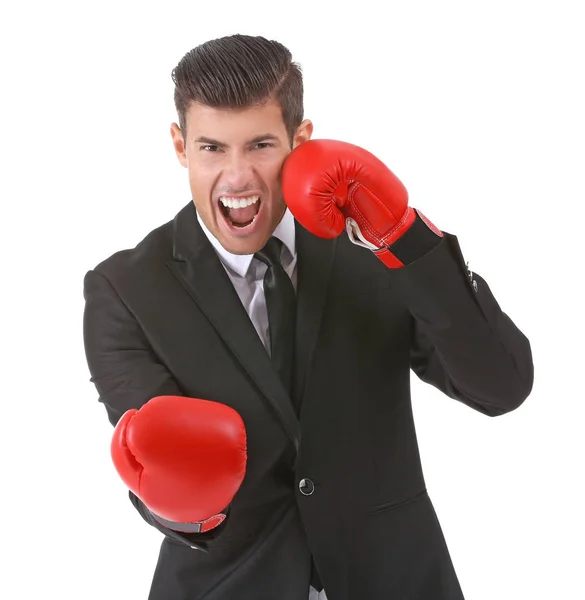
(281, 306)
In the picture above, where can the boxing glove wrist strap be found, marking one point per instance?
(420, 238)
(198, 527)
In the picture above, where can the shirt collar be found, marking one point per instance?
(240, 263)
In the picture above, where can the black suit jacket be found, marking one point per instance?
(164, 318)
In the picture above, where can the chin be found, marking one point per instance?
(246, 245)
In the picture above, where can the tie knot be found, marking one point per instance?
(270, 254)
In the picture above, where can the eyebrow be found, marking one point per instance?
(259, 138)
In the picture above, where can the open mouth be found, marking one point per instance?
(240, 212)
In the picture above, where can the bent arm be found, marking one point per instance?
(462, 343)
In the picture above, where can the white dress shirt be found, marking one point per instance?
(247, 276)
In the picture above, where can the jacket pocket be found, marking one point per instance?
(391, 504)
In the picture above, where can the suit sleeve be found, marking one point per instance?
(462, 343)
(127, 373)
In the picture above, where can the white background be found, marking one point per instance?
(477, 106)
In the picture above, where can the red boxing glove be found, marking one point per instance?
(185, 458)
(330, 186)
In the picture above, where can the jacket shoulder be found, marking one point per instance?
(155, 248)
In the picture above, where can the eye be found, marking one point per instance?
(209, 148)
(262, 145)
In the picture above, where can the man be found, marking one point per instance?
(256, 365)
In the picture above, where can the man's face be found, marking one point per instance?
(234, 160)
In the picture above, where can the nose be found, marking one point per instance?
(239, 171)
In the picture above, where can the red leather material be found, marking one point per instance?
(325, 181)
(388, 258)
(185, 458)
(212, 522)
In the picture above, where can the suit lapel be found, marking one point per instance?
(199, 269)
(315, 260)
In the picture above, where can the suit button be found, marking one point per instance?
(306, 487)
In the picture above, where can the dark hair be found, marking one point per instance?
(239, 71)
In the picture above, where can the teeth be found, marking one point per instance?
(238, 202)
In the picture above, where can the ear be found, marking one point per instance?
(179, 144)
(303, 133)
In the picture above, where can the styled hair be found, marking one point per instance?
(239, 71)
